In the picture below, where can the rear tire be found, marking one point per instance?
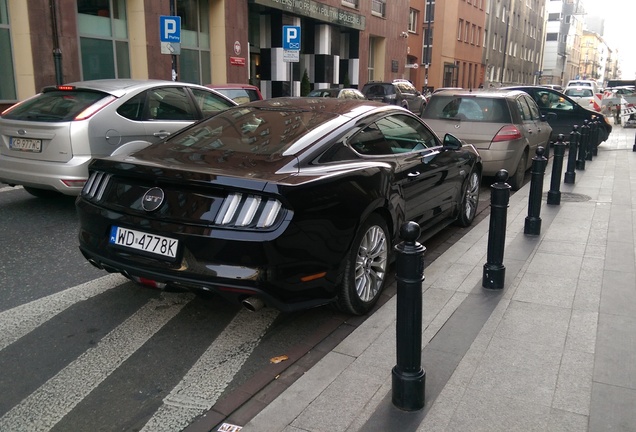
(516, 180)
(365, 268)
(470, 200)
(42, 193)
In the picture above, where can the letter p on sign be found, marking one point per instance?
(291, 38)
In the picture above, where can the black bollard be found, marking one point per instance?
(570, 174)
(634, 146)
(591, 140)
(580, 161)
(597, 133)
(554, 194)
(533, 220)
(494, 271)
(408, 377)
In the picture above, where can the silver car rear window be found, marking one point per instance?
(54, 106)
(476, 109)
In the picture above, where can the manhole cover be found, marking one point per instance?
(570, 197)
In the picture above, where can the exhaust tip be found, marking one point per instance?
(253, 304)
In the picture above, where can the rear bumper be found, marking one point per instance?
(43, 174)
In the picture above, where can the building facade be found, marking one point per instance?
(514, 41)
(343, 42)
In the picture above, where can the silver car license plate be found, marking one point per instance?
(25, 144)
(159, 245)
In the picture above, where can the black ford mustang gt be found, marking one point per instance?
(287, 202)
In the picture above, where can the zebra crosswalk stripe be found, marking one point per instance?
(45, 407)
(21, 320)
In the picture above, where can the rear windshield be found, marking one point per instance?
(579, 92)
(378, 90)
(246, 130)
(54, 106)
(477, 109)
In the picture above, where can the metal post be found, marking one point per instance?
(634, 146)
(408, 376)
(580, 161)
(570, 174)
(554, 194)
(533, 220)
(591, 137)
(173, 12)
(597, 132)
(494, 271)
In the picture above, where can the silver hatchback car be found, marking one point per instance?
(48, 140)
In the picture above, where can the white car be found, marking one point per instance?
(584, 96)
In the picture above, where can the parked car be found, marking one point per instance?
(397, 92)
(562, 112)
(342, 93)
(49, 139)
(582, 95)
(287, 202)
(593, 85)
(504, 125)
(239, 93)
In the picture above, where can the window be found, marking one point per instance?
(378, 7)
(466, 30)
(7, 83)
(473, 31)
(371, 64)
(460, 27)
(351, 3)
(427, 45)
(430, 11)
(552, 37)
(103, 35)
(194, 61)
(413, 20)
(554, 17)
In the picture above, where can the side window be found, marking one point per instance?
(170, 103)
(557, 102)
(210, 103)
(406, 134)
(534, 109)
(370, 141)
(134, 108)
(524, 110)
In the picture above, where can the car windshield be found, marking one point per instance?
(240, 96)
(54, 106)
(478, 109)
(246, 130)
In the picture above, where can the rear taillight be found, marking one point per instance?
(95, 108)
(239, 210)
(507, 133)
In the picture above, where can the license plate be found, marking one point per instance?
(142, 241)
(25, 144)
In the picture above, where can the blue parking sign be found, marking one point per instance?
(170, 29)
(291, 38)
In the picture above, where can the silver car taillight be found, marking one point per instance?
(239, 210)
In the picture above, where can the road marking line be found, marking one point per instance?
(201, 387)
(45, 407)
(19, 321)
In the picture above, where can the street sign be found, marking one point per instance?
(291, 38)
(170, 29)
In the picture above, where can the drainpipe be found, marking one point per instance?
(57, 51)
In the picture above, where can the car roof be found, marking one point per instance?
(495, 92)
(118, 87)
(232, 86)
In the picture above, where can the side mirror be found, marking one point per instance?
(451, 142)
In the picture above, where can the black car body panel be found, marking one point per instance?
(564, 115)
(310, 167)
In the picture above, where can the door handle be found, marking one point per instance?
(161, 134)
(413, 174)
